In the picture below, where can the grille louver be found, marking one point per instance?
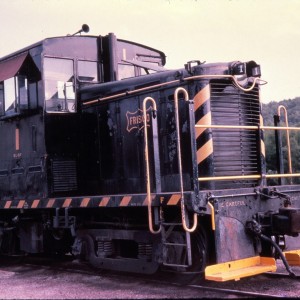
(64, 175)
(235, 150)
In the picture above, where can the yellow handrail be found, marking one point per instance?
(246, 127)
(183, 212)
(213, 223)
(244, 177)
(149, 199)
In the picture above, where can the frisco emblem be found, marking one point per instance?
(135, 120)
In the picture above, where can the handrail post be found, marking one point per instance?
(183, 212)
(149, 198)
(278, 144)
(287, 137)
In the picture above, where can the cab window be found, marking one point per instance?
(87, 71)
(10, 96)
(59, 85)
(19, 79)
(125, 71)
(17, 95)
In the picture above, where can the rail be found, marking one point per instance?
(256, 80)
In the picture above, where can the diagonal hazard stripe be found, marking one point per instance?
(261, 120)
(35, 203)
(21, 204)
(125, 201)
(50, 203)
(205, 120)
(67, 202)
(202, 97)
(85, 202)
(174, 199)
(7, 204)
(205, 151)
(262, 148)
(262, 143)
(104, 201)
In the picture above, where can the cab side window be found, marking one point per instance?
(18, 86)
(17, 95)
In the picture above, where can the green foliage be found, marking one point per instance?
(293, 109)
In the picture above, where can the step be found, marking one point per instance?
(175, 244)
(175, 265)
(292, 257)
(237, 269)
(171, 224)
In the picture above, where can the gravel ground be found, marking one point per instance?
(28, 282)
(33, 282)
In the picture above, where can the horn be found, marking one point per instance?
(84, 28)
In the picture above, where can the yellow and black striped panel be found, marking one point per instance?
(225, 151)
(204, 142)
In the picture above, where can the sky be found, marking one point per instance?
(266, 31)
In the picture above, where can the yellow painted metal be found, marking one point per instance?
(282, 175)
(229, 177)
(237, 269)
(246, 127)
(182, 205)
(146, 151)
(292, 257)
(213, 223)
(244, 177)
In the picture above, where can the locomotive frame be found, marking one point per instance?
(107, 155)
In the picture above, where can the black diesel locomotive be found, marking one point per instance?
(108, 156)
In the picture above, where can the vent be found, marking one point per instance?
(3, 173)
(236, 151)
(34, 169)
(17, 171)
(64, 175)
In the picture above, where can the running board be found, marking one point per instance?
(237, 269)
(292, 257)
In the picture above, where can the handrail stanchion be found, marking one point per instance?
(182, 205)
(149, 199)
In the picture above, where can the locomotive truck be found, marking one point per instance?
(107, 155)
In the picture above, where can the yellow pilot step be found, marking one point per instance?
(292, 257)
(237, 269)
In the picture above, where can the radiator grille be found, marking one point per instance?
(64, 175)
(236, 151)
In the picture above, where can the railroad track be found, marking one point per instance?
(216, 289)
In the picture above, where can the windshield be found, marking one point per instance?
(59, 85)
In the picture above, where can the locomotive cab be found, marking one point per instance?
(39, 107)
